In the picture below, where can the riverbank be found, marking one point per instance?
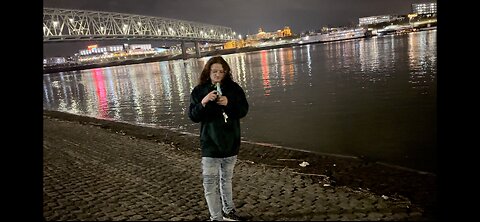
(132, 146)
(55, 69)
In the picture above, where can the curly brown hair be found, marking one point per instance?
(205, 76)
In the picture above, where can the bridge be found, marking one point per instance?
(64, 25)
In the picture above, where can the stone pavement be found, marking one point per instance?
(92, 173)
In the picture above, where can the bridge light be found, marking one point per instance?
(55, 23)
(71, 20)
(234, 33)
(183, 27)
(239, 36)
(211, 30)
(139, 23)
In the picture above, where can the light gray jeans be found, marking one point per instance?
(215, 172)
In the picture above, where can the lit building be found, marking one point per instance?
(234, 44)
(372, 20)
(285, 32)
(269, 35)
(262, 34)
(424, 8)
(94, 49)
(138, 49)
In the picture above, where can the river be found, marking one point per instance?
(375, 98)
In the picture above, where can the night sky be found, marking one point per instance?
(243, 16)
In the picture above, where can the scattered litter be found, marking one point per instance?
(384, 197)
(304, 164)
(326, 185)
(334, 164)
(248, 161)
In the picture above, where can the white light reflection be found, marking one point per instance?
(243, 72)
(283, 71)
(236, 62)
(76, 103)
(191, 81)
(112, 92)
(68, 91)
(88, 81)
(287, 69)
(392, 51)
(309, 62)
(274, 72)
(47, 89)
(63, 104)
(179, 73)
(369, 56)
(237, 72)
(136, 95)
(166, 83)
(153, 82)
(422, 59)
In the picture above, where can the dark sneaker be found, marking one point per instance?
(232, 216)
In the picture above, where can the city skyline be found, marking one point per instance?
(244, 17)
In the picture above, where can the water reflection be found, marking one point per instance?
(101, 92)
(287, 68)
(309, 62)
(265, 73)
(422, 60)
(373, 97)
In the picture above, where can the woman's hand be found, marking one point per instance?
(211, 96)
(222, 100)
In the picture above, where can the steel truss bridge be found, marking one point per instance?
(76, 25)
(64, 25)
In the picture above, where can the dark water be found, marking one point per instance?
(372, 97)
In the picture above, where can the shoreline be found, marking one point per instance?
(337, 156)
(51, 70)
(355, 173)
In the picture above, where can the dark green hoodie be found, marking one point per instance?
(219, 139)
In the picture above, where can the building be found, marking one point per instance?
(286, 32)
(373, 20)
(94, 49)
(424, 8)
(136, 49)
(262, 35)
(240, 43)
